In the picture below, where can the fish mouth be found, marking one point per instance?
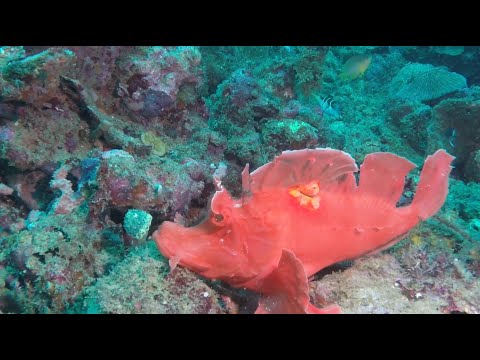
(200, 249)
(176, 241)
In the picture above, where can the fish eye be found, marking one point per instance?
(218, 217)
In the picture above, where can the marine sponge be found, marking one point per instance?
(421, 82)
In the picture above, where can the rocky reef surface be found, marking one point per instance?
(99, 145)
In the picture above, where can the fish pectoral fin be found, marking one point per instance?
(285, 290)
(173, 262)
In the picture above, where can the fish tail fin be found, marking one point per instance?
(285, 290)
(432, 188)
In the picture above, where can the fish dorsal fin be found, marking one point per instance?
(382, 175)
(246, 180)
(331, 168)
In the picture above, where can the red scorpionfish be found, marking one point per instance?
(299, 214)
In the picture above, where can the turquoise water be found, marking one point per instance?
(99, 146)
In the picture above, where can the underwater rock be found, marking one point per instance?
(151, 78)
(456, 204)
(384, 284)
(68, 199)
(472, 166)
(36, 139)
(142, 284)
(414, 128)
(243, 88)
(29, 186)
(36, 78)
(245, 149)
(155, 103)
(124, 182)
(96, 68)
(289, 134)
(119, 181)
(100, 124)
(241, 101)
(12, 215)
(184, 191)
(463, 116)
(54, 259)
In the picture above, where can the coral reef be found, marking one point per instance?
(99, 145)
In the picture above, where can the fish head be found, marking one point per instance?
(211, 248)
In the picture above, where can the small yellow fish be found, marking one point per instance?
(355, 67)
